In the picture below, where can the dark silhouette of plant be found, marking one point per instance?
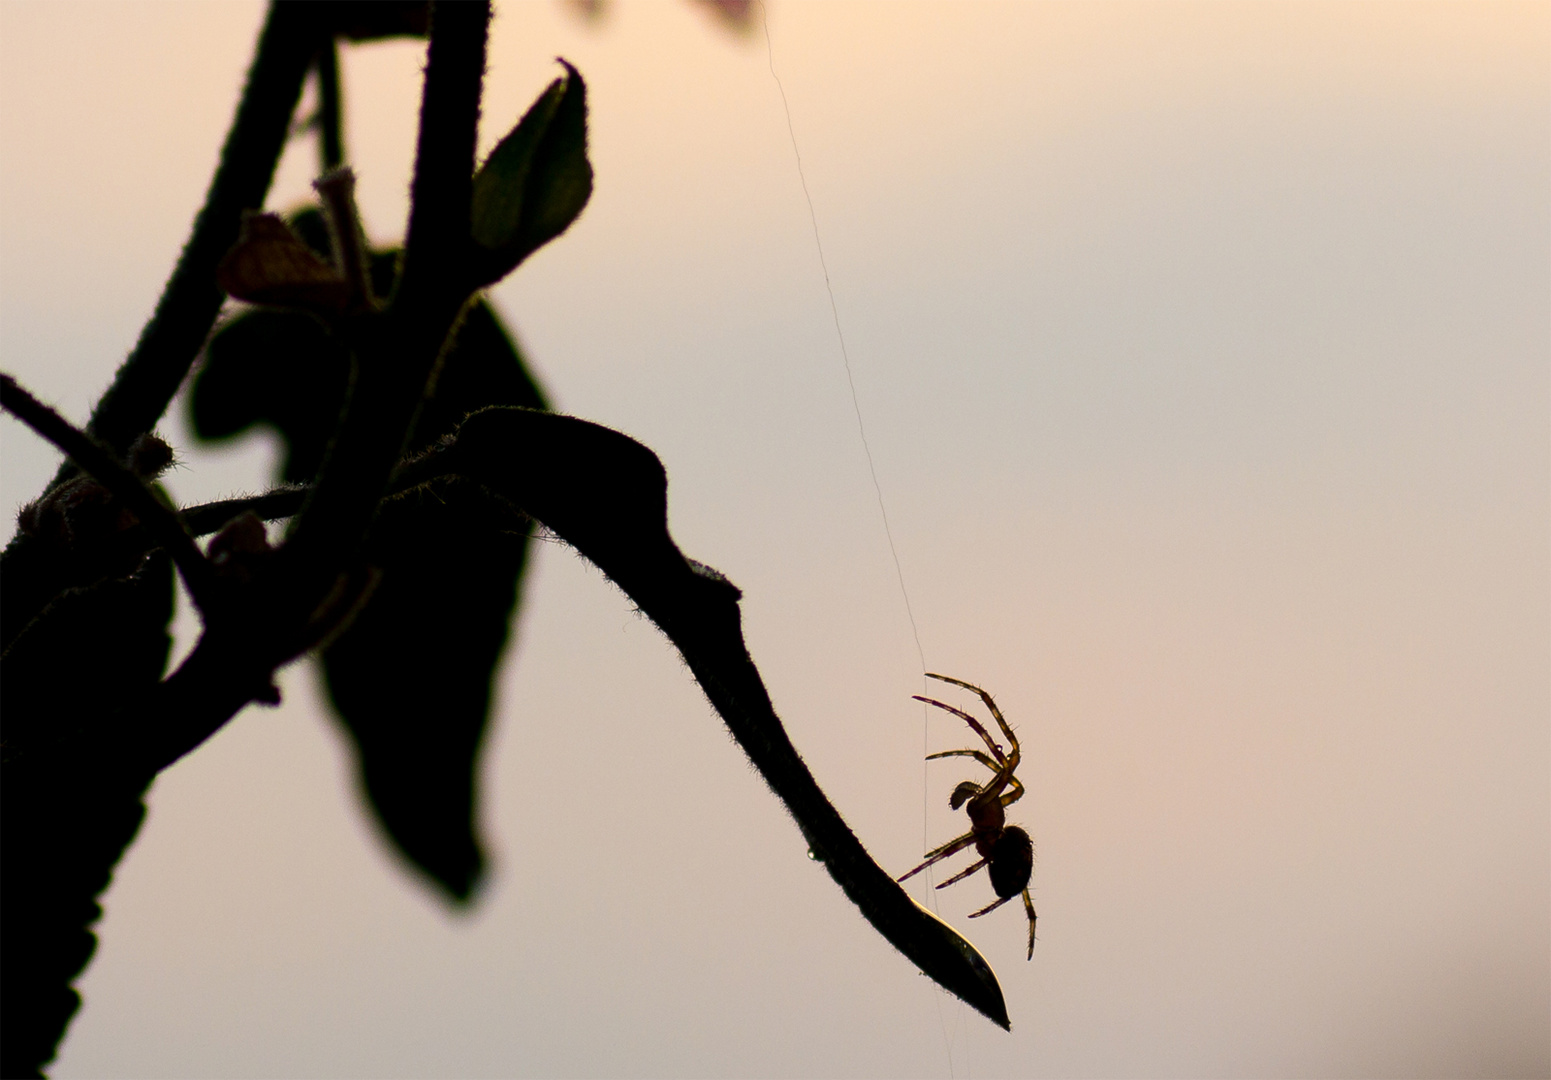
(419, 456)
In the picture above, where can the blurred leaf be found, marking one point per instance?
(412, 676)
(606, 495)
(270, 264)
(64, 825)
(536, 181)
(483, 368)
(433, 631)
(734, 15)
(284, 369)
(280, 368)
(587, 10)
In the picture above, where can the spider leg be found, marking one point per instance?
(996, 750)
(940, 853)
(976, 754)
(1015, 794)
(962, 874)
(990, 704)
(1028, 906)
(990, 907)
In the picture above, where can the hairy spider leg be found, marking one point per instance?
(1028, 905)
(964, 873)
(938, 854)
(1017, 785)
(978, 755)
(1016, 793)
(998, 902)
(996, 750)
(990, 704)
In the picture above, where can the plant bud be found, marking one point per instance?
(149, 456)
(240, 547)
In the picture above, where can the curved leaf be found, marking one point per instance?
(606, 495)
(280, 368)
(411, 677)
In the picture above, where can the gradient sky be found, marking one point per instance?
(1205, 357)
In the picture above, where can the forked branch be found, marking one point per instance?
(99, 462)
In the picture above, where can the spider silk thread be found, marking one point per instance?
(872, 471)
(845, 356)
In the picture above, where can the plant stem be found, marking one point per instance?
(398, 350)
(331, 144)
(286, 502)
(337, 191)
(208, 517)
(147, 380)
(449, 128)
(99, 462)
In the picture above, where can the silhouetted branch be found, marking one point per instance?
(331, 143)
(274, 505)
(306, 586)
(444, 155)
(98, 461)
(398, 351)
(147, 380)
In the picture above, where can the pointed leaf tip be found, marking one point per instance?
(411, 677)
(980, 990)
(535, 182)
(606, 495)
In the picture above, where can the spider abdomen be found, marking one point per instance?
(1011, 862)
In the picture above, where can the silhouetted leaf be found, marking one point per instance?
(63, 824)
(606, 495)
(270, 264)
(433, 630)
(280, 368)
(286, 370)
(412, 675)
(535, 182)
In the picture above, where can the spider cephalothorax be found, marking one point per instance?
(1005, 850)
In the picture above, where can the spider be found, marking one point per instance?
(1005, 850)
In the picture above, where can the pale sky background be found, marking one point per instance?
(1205, 354)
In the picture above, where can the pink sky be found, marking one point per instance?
(1205, 355)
